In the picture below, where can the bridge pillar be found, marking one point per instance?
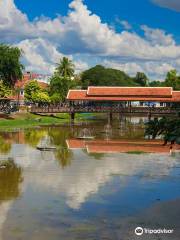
(110, 117)
(72, 115)
(149, 116)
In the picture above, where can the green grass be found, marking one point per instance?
(26, 120)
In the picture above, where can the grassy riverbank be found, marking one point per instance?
(26, 120)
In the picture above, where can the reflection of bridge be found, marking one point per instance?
(122, 146)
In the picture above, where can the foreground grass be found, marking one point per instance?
(26, 120)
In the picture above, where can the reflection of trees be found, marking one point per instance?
(64, 155)
(5, 147)
(10, 177)
(58, 138)
(33, 136)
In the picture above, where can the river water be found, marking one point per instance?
(96, 188)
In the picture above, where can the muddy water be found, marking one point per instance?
(75, 192)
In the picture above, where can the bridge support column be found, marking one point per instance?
(72, 115)
(149, 116)
(110, 117)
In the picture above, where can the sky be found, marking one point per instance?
(129, 35)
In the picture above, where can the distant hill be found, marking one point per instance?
(101, 76)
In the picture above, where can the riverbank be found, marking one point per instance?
(26, 120)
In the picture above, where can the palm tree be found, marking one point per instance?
(65, 68)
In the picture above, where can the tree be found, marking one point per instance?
(4, 90)
(41, 97)
(31, 88)
(10, 66)
(65, 68)
(101, 76)
(156, 84)
(172, 80)
(34, 94)
(169, 128)
(141, 79)
(59, 87)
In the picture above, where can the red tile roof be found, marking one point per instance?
(149, 94)
(22, 83)
(130, 91)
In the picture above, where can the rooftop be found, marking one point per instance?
(159, 94)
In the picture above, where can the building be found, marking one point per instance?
(21, 84)
(126, 96)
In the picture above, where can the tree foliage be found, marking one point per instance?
(4, 90)
(34, 94)
(10, 66)
(172, 80)
(101, 76)
(65, 68)
(169, 128)
(59, 87)
(62, 80)
(141, 79)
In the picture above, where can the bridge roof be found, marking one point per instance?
(162, 94)
(130, 91)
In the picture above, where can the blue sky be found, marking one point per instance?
(129, 35)
(136, 12)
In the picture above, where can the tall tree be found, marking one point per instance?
(59, 87)
(173, 80)
(65, 68)
(10, 65)
(62, 80)
(142, 79)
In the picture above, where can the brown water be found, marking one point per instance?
(70, 194)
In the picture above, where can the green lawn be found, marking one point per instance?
(25, 120)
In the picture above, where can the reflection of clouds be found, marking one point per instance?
(85, 175)
(159, 216)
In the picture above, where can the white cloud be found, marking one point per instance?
(125, 24)
(171, 4)
(82, 33)
(158, 36)
(156, 69)
(39, 55)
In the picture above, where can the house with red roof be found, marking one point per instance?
(21, 84)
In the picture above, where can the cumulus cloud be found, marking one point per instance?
(82, 33)
(171, 4)
(125, 24)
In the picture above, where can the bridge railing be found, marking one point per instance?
(103, 109)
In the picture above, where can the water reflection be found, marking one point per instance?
(5, 146)
(84, 189)
(10, 178)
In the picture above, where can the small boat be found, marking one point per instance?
(47, 149)
(86, 137)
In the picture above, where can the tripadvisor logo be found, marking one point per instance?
(140, 231)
